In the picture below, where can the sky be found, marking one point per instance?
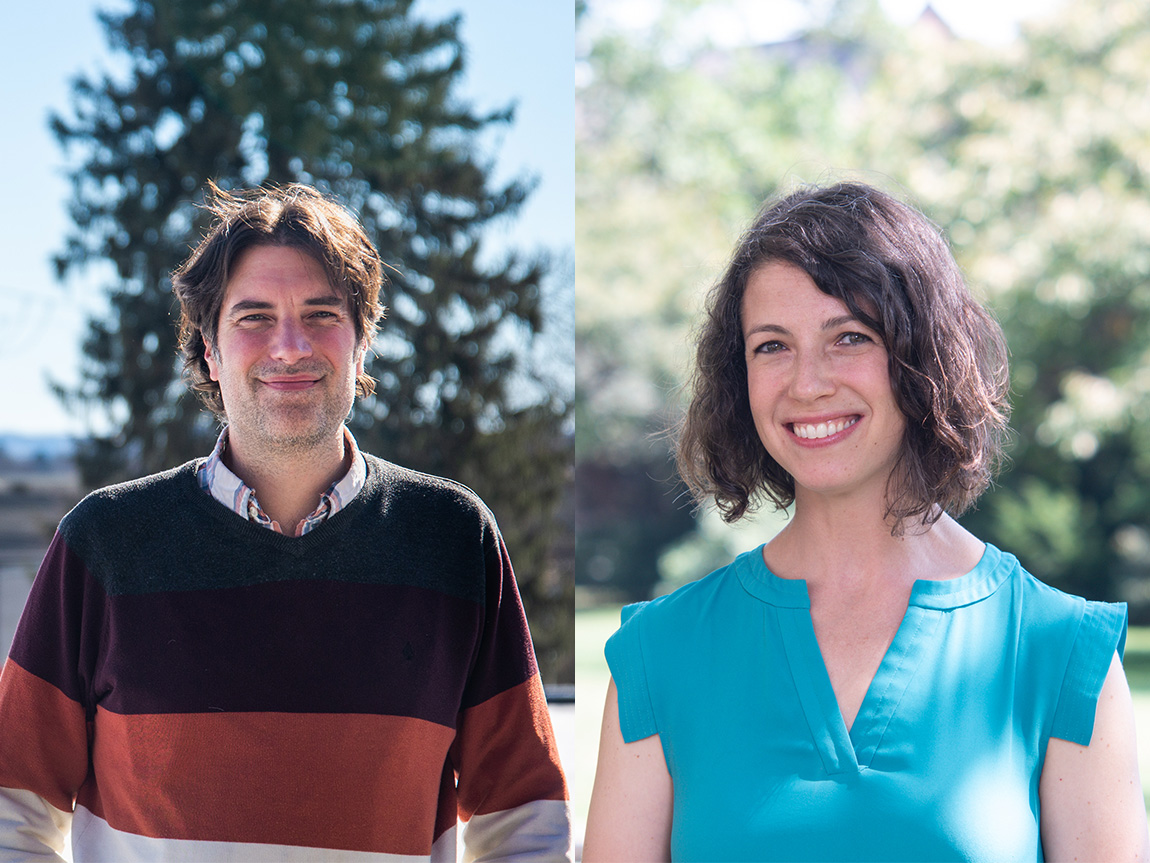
(517, 51)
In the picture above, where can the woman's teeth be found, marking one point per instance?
(814, 431)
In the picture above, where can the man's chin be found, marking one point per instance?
(282, 430)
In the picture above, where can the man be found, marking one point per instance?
(290, 650)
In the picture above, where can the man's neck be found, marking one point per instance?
(289, 483)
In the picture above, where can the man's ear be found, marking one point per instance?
(213, 364)
(360, 356)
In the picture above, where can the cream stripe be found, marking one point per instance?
(31, 828)
(94, 841)
(539, 831)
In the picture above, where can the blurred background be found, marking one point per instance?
(1022, 129)
(448, 129)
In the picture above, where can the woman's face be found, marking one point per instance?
(819, 386)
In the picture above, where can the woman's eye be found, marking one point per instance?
(769, 348)
(855, 339)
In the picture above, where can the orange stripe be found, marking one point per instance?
(506, 753)
(43, 737)
(358, 782)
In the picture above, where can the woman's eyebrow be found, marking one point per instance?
(828, 324)
(839, 321)
(767, 328)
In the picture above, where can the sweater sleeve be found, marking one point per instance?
(511, 790)
(43, 722)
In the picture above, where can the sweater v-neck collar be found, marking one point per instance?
(249, 531)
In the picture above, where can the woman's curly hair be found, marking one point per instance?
(296, 216)
(948, 361)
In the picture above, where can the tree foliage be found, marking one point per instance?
(1032, 156)
(356, 97)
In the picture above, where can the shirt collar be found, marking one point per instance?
(217, 479)
(992, 570)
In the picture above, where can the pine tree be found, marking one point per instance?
(355, 97)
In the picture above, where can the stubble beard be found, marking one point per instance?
(291, 425)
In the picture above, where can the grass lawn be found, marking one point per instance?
(592, 628)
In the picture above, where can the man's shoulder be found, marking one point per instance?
(403, 487)
(141, 495)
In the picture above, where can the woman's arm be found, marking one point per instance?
(630, 813)
(1091, 796)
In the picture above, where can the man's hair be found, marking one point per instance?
(948, 361)
(294, 216)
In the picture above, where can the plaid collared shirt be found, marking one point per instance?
(218, 481)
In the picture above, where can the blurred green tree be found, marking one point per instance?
(356, 97)
(1034, 157)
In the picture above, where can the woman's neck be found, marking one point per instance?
(850, 546)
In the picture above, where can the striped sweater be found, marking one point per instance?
(187, 685)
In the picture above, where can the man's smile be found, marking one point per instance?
(290, 384)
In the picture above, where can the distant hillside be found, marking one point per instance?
(38, 484)
(35, 448)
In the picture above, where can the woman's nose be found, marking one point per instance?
(812, 376)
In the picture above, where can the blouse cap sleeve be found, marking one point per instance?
(624, 652)
(1101, 633)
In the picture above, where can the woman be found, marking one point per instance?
(874, 683)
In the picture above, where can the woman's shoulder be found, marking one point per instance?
(668, 647)
(1049, 611)
(697, 623)
(694, 600)
(1068, 642)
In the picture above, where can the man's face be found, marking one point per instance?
(286, 355)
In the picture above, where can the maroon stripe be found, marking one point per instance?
(324, 646)
(59, 632)
(294, 647)
(505, 657)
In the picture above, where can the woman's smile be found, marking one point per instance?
(829, 431)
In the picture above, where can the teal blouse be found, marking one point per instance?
(944, 757)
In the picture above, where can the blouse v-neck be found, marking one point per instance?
(846, 751)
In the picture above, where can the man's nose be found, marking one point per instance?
(290, 342)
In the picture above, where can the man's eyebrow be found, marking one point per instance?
(248, 305)
(329, 300)
(261, 305)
